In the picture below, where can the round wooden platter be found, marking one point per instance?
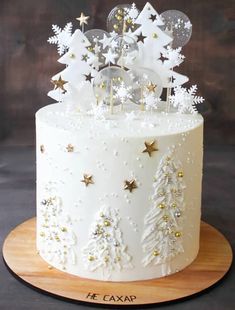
(211, 264)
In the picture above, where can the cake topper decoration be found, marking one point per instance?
(122, 18)
(178, 25)
(61, 37)
(126, 66)
(83, 20)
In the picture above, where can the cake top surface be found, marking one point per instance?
(130, 124)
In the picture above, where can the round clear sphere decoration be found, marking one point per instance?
(178, 25)
(99, 40)
(122, 18)
(147, 87)
(126, 48)
(112, 85)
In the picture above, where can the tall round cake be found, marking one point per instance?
(119, 160)
(118, 202)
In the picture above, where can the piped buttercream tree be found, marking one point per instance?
(162, 236)
(105, 249)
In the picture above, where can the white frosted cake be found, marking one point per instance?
(119, 170)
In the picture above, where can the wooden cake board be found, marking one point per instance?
(211, 264)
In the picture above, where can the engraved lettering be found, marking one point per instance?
(119, 298)
(92, 296)
(127, 298)
(132, 298)
(105, 298)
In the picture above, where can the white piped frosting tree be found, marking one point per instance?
(162, 236)
(105, 248)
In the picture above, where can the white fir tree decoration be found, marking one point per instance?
(162, 237)
(185, 99)
(152, 42)
(78, 74)
(105, 248)
(57, 233)
(61, 38)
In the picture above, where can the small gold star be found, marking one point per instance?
(130, 185)
(59, 83)
(83, 19)
(150, 147)
(151, 87)
(70, 148)
(87, 179)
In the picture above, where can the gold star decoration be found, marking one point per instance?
(59, 84)
(87, 179)
(70, 148)
(141, 38)
(151, 87)
(130, 185)
(150, 147)
(89, 77)
(83, 19)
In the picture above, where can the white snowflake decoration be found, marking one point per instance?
(132, 13)
(151, 102)
(185, 99)
(61, 38)
(187, 25)
(122, 92)
(174, 58)
(99, 111)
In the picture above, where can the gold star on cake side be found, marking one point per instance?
(150, 147)
(87, 179)
(130, 185)
(83, 19)
(59, 84)
(70, 148)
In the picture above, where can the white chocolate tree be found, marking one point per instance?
(78, 74)
(105, 248)
(162, 237)
(152, 42)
